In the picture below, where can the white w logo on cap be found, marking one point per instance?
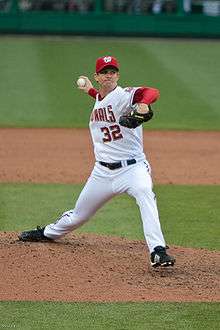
(107, 59)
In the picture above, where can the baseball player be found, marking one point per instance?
(121, 166)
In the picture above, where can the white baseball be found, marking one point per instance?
(81, 82)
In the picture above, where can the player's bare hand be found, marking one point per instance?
(84, 83)
(142, 108)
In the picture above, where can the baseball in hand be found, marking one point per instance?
(81, 82)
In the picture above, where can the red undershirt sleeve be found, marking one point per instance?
(146, 95)
(93, 92)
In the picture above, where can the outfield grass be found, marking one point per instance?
(189, 214)
(106, 316)
(37, 75)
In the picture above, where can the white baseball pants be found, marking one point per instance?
(102, 185)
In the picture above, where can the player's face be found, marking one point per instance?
(107, 77)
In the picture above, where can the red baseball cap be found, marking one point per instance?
(106, 61)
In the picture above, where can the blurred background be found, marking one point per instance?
(112, 17)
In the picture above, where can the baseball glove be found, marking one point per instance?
(133, 118)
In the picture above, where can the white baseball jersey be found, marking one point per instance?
(112, 142)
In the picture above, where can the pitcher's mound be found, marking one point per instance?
(103, 268)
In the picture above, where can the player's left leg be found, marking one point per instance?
(140, 187)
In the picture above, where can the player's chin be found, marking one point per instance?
(109, 84)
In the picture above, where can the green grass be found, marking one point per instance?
(37, 75)
(189, 214)
(115, 316)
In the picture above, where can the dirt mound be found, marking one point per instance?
(102, 268)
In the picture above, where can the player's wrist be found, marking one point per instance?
(92, 92)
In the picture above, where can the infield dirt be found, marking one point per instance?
(66, 156)
(101, 268)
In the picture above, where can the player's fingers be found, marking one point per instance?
(88, 84)
(85, 78)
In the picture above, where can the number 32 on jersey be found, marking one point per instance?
(111, 133)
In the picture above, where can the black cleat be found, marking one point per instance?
(159, 257)
(36, 235)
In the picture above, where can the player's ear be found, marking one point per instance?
(96, 77)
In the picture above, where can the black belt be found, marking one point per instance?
(114, 166)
